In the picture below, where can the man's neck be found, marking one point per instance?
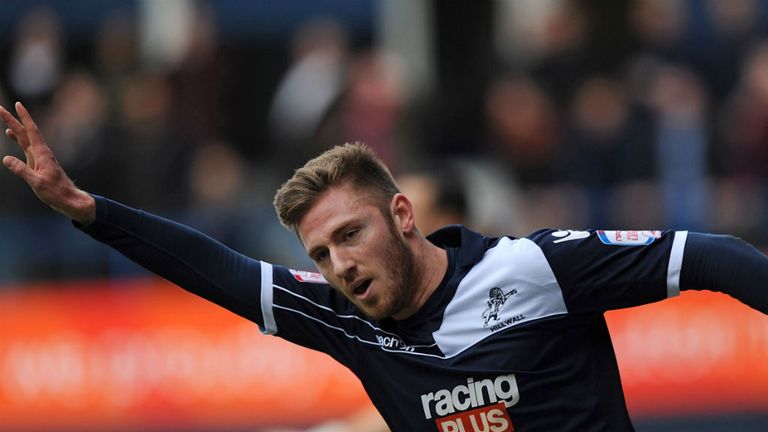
(432, 264)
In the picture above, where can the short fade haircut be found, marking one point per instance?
(353, 164)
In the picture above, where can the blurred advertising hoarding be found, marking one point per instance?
(702, 353)
(144, 354)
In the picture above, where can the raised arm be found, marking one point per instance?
(42, 170)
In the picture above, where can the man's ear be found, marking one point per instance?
(402, 213)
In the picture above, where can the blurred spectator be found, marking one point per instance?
(744, 151)
(746, 118)
(116, 56)
(37, 56)
(524, 129)
(735, 29)
(116, 44)
(201, 80)
(734, 19)
(439, 197)
(660, 27)
(75, 125)
(682, 141)
(606, 144)
(526, 141)
(371, 108)
(564, 61)
(217, 182)
(312, 82)
(224, 204)
(146, 151)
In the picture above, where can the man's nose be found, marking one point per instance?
(342, 263)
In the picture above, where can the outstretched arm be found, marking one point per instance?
(726, 264)
(42, 170)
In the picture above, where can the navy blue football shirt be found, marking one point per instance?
(513, 338)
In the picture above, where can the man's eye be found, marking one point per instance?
(320, 256)
(351, 234)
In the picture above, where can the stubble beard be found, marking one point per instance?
(400, 263)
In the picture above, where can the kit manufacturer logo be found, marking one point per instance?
(393, 342)
(568, 235)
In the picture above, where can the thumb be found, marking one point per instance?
(15, 166)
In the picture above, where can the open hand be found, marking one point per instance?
(42, 171)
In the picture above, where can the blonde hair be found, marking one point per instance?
(353, 164)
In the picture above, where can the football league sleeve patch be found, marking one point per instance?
(600, 270)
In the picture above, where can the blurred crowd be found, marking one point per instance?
(643, 114)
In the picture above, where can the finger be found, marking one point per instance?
(9, 119)
(16, 128)
(18, 167)
(34, 147)
(30, 157)
(29, 123)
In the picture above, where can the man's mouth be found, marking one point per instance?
(361, 288)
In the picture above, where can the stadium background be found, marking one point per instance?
(574, 114)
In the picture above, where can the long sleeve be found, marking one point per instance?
(297, 306)
(726, 264)
(182, 255)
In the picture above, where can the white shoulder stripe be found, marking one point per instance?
(676, 263)
(270, 326)
(320, 306)
(358, 338)
(513, 284)
(351, 336)
(330, 325)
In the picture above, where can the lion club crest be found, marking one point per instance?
(496, 300)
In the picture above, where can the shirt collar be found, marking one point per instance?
(471, 244)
